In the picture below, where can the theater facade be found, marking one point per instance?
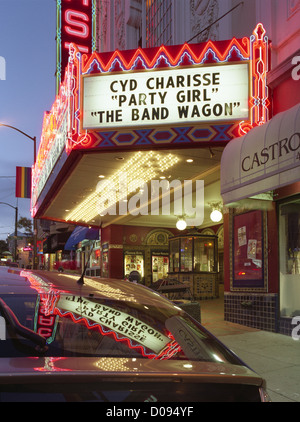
(186, 113)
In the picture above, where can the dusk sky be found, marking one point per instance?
(28, 50)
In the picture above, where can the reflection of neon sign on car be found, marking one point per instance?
(45, 323)
(123, 326)
(89, 358)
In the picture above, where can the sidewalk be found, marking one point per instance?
(273, 356)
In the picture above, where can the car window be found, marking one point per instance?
(89, 326)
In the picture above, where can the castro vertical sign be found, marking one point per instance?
(75, 24)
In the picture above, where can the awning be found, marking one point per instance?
(78, 235)
(58, 241)
(266, 158)
(6, 253)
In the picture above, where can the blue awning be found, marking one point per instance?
(79, 234)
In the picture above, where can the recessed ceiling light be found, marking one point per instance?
(101, 176)
(189, 160)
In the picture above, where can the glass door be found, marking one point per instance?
(289, 255)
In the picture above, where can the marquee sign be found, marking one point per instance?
(168, 95)
(194, 94)
(175, 96)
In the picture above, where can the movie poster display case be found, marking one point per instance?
(193, 260)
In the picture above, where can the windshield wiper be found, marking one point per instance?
(18, 328)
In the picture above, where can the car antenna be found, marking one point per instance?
(81, 279)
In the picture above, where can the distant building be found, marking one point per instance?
(24, 248)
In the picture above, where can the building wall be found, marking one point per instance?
(262, 309)
(127, 24)
(119, 24)
(195, 21)
(122, 24)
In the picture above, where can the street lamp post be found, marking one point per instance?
(33, 138)
(16, 228)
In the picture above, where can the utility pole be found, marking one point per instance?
(33, 138)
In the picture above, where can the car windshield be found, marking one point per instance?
(74, 325)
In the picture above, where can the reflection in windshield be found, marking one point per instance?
(45, 323)
(106, 289)
(117, 323)
(120, 324)
(74, 325)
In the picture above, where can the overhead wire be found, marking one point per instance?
(213, 23)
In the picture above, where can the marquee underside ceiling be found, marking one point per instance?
(82, 182)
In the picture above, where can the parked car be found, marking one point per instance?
(110, 341)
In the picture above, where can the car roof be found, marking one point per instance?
(18, 281)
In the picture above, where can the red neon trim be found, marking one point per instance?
(140, 349)
(173, 56)
(81, 48)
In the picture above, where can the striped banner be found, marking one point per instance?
(23, 182)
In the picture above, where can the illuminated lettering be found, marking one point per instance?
(45, 332)
(181, 81)
(84, 2)
(72, 17)
(76, 23)
(46, 320)
(81, 48)
(126, 84)
(165, 97)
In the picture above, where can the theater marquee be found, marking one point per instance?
(185, 96)
(175, 96)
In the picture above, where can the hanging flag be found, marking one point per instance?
(23, 182)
